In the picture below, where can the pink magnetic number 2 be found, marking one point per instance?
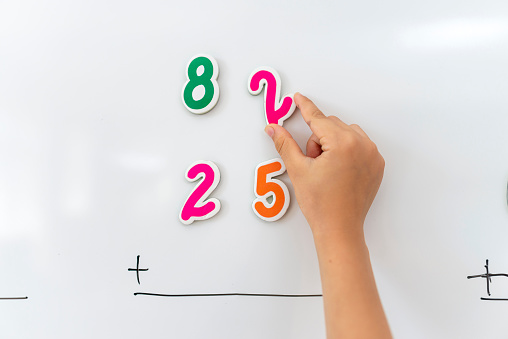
(276, 111)
(195, 207)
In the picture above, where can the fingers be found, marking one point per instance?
(313, 147)
(327, 131)
(309, 110)
(336, 120)
(320, 124)
(286, 146)
(359, 130)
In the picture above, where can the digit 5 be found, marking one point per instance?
(265, 186)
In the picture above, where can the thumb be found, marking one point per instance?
(287, 147)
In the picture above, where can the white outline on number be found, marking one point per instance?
(213, 79)
(201, 202)
(263, 84)
(263, 198)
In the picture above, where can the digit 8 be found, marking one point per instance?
(207, 79)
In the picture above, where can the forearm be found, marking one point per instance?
(335, 184)
(351, 301)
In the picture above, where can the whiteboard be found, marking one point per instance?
(95, 141)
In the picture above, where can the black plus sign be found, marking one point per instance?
(137, 269)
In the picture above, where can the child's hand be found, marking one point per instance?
(335, 185)
(337, 181)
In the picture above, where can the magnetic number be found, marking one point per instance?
(196, 207)
(275, 110)
(201, 91)
(265, 186)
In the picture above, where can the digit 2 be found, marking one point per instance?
(275, 110)
(196, 207)
(265, 186)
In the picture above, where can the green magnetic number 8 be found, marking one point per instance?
(202, 70)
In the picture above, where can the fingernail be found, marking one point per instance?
(297, 94)
(269, 130)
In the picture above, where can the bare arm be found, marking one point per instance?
(335, 184)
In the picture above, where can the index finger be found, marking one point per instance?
(309, 110)
(317, 121)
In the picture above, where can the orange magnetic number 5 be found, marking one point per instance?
(265, 186)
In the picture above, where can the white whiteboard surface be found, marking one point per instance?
(95, 141)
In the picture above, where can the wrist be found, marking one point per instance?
(344, 233)
(343, 225)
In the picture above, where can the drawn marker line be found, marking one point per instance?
(230, 294)
(495, 299)
(488, 275)
(137, 270)
(13, 298)
(488, 279)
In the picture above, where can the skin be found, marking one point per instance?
(335, 184)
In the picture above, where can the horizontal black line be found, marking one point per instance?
(230, 294)
(497, 299)
(13, 298)
(487, 275)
